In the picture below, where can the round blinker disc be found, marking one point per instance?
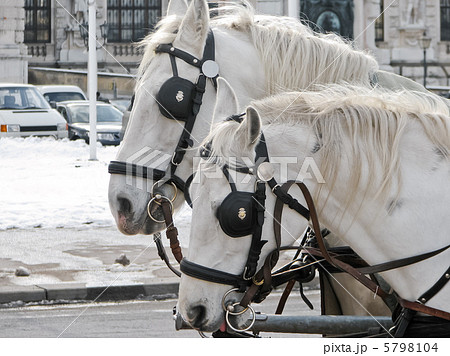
(210, 69)
(265, 171)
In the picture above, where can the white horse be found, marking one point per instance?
(259, 55)
(384, 157)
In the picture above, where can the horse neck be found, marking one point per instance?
(240, 64)
(328, 59)
(377, 235)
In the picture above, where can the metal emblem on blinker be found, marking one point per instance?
(180, 96)
(242, 213)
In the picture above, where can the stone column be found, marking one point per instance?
(13, 52)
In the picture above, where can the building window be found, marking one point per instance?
(37, 21)
(328, 16)
(445, 20)
(132, 20)
(379, 24)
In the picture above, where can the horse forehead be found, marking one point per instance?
(159, 70)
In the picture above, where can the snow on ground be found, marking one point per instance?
(48, 183)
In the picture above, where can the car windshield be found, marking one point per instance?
(63, 96)
(105, 113)
(122, 105)
(21, 98)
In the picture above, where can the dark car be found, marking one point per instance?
(109, 121)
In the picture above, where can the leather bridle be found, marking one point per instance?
(185, 141)
(250, 277)
(258, 285)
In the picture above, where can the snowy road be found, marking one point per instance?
(48, 183)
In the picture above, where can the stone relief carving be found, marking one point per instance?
(81, 10)
(72, 29)
(413, 13)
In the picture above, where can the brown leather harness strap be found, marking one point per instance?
(416, 306)
(284, 296)
(358, 273)
(320, 241)
(171, 230)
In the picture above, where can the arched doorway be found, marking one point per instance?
(329, 16)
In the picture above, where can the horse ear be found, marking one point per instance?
(177, 7)
(226, 101)
(194, 27)
(253, 125)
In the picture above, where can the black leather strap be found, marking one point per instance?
(188, 58)
(185, 140)
(386, 266)
(430, 293)
(209, 274)
(123, 168)
(118, 167)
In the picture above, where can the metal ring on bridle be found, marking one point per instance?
(248, 327)
(226, 295)
(230, 309)
(157, 196)
(175, 189)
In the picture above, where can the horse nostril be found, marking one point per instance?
(124, 206)
(196, 316)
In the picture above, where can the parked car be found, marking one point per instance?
(25, 112)
(121, 104)
(109, 121)
(57, 93)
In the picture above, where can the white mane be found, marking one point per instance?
(372, 122)
(313, 58)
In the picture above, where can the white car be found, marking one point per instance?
(25, 112)
(57, 93)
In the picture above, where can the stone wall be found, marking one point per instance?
(107, 83)
(13, 53)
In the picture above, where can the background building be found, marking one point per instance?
(46, 33)
(13, 51)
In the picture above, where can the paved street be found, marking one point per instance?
(119, 320)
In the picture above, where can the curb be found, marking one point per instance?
(153, 289)
(79, 291)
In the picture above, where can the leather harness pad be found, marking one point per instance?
(237, 214)
(175, 98)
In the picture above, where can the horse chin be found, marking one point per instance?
(148, 227)
(206, 324)
(210, 327)
(129, 227)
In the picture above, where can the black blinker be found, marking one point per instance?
(175, 98)
(236, 214)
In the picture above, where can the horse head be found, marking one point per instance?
(157, 137)
(224, 217)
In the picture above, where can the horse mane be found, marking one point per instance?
(165, 32)
(317, 58)
(372, 120)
